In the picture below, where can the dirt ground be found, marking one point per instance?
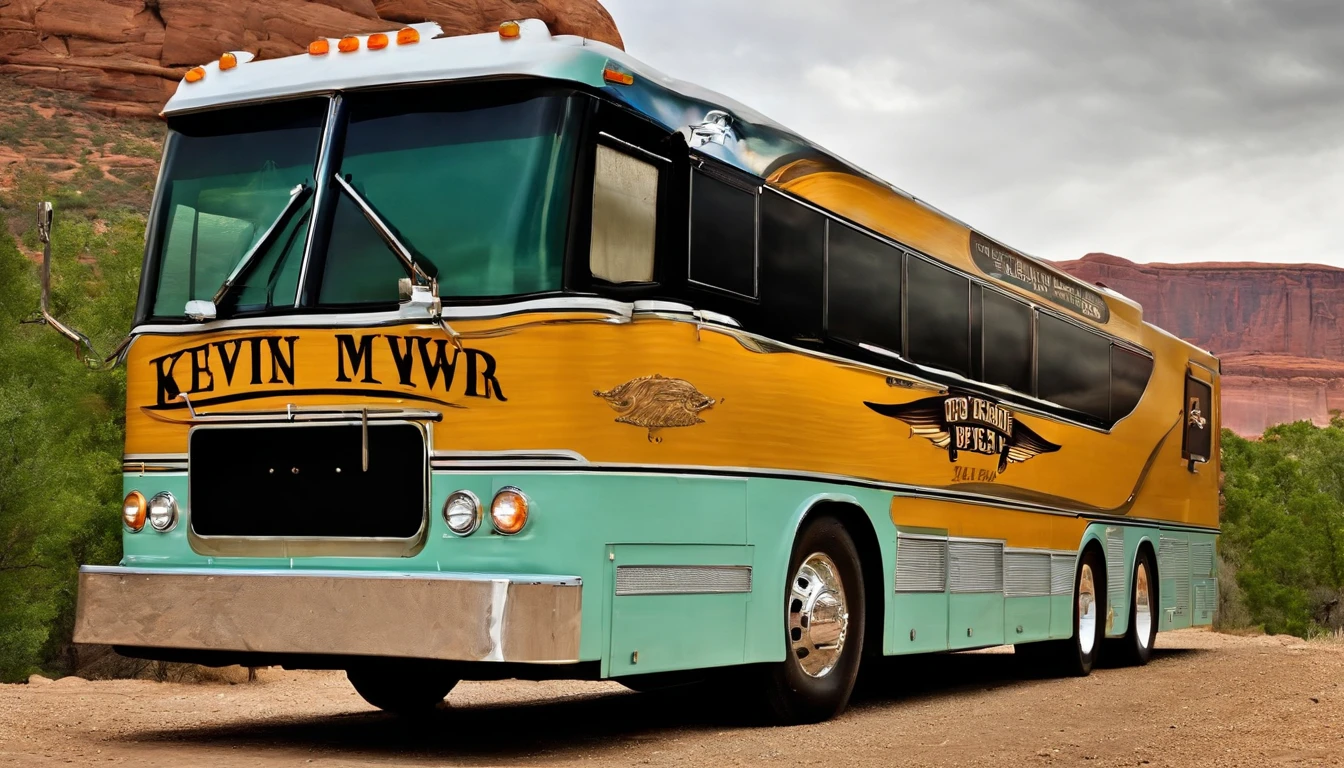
(1205, 699)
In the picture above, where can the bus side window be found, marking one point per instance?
(723, 235)
(625, 217)
(1129, 378)
(1005, 341)
(1073, 366)
(938, 317)
(792, 256)
(863, 288)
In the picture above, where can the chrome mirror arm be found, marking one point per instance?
(84, 350)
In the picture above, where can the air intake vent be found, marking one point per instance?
(1173, 562)
(921, 564)
(1061, 574)
(1117, 571)
(1026, 574)
(975, 566)
(682, 579)
(1201, 560)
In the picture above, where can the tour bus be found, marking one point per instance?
(505, 355)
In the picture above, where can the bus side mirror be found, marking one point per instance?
(83, 347)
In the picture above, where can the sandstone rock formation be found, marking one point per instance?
(1274, 326)
(128, 55)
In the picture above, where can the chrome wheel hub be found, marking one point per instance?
(818, 615)
(1087, 610)
(1143, 606)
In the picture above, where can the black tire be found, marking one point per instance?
(793, 694)
(1074, 657)
(402, 686)
(1136, 647)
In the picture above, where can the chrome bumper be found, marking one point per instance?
(458, 617)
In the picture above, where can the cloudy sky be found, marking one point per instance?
(1195, 130)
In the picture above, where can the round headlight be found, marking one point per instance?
(508, 512)
(163, 512)
(133, 511)
(462, 512)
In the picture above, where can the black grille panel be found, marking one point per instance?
(307, 481)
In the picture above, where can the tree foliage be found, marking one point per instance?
(61, 428)
(1283, 525)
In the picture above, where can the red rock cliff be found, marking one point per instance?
(129, 55)
(1273, 325)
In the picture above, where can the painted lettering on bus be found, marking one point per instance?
(437, 367)
(269, 361)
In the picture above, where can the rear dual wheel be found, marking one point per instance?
(1136, 647)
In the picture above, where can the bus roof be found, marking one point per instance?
(713, 124)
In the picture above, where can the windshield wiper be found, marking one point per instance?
(297, 196)
(399, 248)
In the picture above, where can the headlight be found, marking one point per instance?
(462, 512)
(163, 512)
(508, 512)
(133, 511)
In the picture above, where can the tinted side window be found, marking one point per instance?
(723, 235)
(1006, 324)
(792, 254)
(1129, 377)
(939, 316)
(1073, 366)
(863, 288)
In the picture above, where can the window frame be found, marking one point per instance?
(722, 173)
(664, 167)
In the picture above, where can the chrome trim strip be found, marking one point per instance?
(628, 147)
(516, 578)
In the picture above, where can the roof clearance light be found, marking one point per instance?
(195, 74)
(227, 61)
(408, 36)
(348, 44)
(319, 47)
(377, 42)
(510, 30)
(617, 76)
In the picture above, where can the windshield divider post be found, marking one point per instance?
(324, 203)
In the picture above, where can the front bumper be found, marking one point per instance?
(449, 616)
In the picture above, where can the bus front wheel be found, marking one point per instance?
(824, 627)
(405, 687)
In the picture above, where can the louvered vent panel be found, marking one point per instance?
(975, 566)
(921, 564)
(1174, 563)
(1117, 574)
(682, 580)
(1061, 574)
(1026, 574)
(1201, 560)
(1206, 600)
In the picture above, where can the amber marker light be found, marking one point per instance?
(377, 41)
(510, 30)
(618, 77)
(408, 36)
(227, 61)
(319, 47)
(133, 511)
(508, 512)
(348, 44)
(195, 74)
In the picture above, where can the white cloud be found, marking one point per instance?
(1157, 131)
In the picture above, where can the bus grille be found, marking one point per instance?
(307, 482)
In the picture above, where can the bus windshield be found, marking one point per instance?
(476, 189)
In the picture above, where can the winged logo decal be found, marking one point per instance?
(958, 423)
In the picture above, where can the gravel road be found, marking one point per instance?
(1206, 699)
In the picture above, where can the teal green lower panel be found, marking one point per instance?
(975, 620)
(1026, 619)
(920, 622)
(1061, 616)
